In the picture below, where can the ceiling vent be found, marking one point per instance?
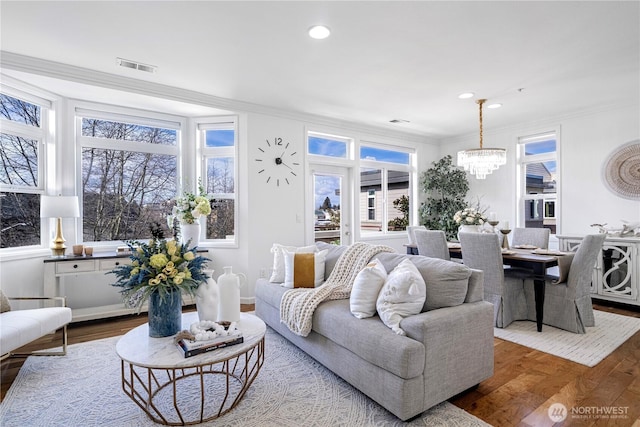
(399, 121)
(126, 63)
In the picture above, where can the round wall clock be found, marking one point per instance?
(277, 162)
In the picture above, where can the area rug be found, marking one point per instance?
(588, 349)
(84, 389)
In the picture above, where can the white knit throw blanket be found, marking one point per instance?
(297, 305)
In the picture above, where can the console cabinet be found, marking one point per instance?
(616, 275)
(56, 269)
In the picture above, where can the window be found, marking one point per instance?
(219, 153)
(24, 120)
(129, 174)
(384, 189)
(327, 145)
(386, 173)
(537, 167)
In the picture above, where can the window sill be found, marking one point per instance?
(18, 254)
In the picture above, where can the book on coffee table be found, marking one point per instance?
(192, 348)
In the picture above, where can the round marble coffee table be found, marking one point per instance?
(174, 390)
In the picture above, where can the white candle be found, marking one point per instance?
(506, 225)
(492, 216)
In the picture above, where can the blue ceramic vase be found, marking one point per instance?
(165, 314)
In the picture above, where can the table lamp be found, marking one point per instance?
(59, 207)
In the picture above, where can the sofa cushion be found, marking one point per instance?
(277, 275)
(333, 254)
(366, 288)
(303, 270)
(370, 339)
(402, 295)
(446, 281)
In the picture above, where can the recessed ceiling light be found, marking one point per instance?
(494, 106)
(466, 95)
(319, 32)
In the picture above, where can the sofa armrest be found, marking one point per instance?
(458, 346)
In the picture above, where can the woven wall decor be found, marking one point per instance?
(621, 171)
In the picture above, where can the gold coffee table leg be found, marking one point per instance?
(147, 392)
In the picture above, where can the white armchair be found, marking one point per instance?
(20, 327)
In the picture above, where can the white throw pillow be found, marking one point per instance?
(277, 275)
(304, 270)
(402, 295)
(366, 288)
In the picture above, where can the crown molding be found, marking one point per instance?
(57, 70)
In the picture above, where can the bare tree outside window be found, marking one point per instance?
(19, 157)
(125, 191)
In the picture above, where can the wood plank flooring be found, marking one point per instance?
(524, 384)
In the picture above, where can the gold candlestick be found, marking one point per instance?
(505, 241)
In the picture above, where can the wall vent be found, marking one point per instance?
(136, 65)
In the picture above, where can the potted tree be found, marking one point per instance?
(446, 188)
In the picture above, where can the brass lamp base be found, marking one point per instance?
(58, 248)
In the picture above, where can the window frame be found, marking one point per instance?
(130, 116)
(45, 137)
(385, 167)
(204, 153)
(521, 170)
(354, 163)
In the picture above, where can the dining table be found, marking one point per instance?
(534, 261)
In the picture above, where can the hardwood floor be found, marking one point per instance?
(524, 384)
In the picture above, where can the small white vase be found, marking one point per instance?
(190, 232)
(469, 229)
(207, 299)
(229, 302)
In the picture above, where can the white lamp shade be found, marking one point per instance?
(59, 207)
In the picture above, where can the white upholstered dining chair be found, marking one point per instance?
(567, 300)
(538, 237)
(482, 251)
(432, 243)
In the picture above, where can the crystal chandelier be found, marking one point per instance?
(482, 161)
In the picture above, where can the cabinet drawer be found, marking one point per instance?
(110, 264)
(74, 266)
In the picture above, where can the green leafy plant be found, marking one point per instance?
(446, 188)
(400, 223)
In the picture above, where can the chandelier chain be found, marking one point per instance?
(480, 102)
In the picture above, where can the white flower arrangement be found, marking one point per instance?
(469, 216)
(189, 207)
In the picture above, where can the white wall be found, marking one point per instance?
(586, 140)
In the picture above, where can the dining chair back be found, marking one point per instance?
(538, 237)
(432, 243)
(482, 251)
(567, 304)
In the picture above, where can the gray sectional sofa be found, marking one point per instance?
(447, 350)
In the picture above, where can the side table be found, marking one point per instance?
(174, 390)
